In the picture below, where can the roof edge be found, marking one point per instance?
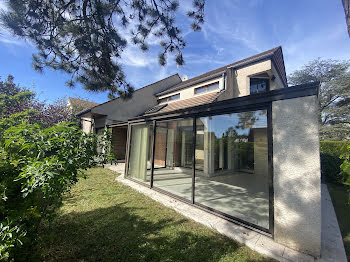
(139, 89)
(268, 54)
(307, 89)
(83, 112)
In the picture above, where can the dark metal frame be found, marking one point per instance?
(233, 219)
(260, 101)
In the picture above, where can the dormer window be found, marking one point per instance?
(206, 88)
(169, 98)
(259, 85)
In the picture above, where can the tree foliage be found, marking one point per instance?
(39, 162)
(85, 38)
(334, 96)
(15, 99)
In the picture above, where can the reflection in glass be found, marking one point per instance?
(173, 157)
(140, 152)
(232, 165)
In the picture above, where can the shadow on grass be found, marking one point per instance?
(121, 233)
(340, 196)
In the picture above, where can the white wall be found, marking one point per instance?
(297, 175)
(86, 124)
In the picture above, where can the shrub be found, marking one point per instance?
(345, 166)
(37, 166)
(331, 152)
(40, 160)
(335, 148)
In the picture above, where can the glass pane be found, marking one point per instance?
(173, 157)
(213, 86)
(200, 90)
(174, 97)
(140, 152)
(232, 165)
(258, 85)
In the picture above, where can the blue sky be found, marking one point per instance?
(233, 30)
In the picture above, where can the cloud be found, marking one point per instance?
(222, 26)
(9, 39)
(3, 5)
(133, 56)
(331, 42)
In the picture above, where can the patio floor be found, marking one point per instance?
(241, 195)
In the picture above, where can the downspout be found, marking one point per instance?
(92, 125)
(223, 81)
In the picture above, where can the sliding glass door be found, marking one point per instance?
(173, 157)
(231, 175)
(232, 165)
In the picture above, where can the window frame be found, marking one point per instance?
(266, 80)
(169, 98)
(206, 88)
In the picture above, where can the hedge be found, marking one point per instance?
(330, 160)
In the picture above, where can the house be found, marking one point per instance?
(235, 141)
(116, 112)
(76, 105)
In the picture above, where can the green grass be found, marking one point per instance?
(340, 197)
(104, 220)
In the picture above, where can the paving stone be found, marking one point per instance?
(295, 256)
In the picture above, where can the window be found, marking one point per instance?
(259, 85)
(207, 88)
(169, 98)
(232, 165)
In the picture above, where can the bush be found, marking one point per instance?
(345, 167)
(40, 160)
(335, 148)
(331, 152)
(37, 166)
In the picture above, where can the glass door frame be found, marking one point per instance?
(194, 117)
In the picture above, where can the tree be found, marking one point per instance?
(13, 98)
(16, 99)
(85, 38)
(334, 96)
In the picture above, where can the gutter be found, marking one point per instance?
(83, 112)
(253, 60)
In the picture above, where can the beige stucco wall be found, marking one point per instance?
(297, 176)
(277, 83)
(240, 85)
(242, 76)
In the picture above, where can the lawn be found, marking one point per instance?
(104, 220)
(340, 197)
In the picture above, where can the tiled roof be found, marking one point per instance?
(79, 103)
(186, 103)
(273, 52)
